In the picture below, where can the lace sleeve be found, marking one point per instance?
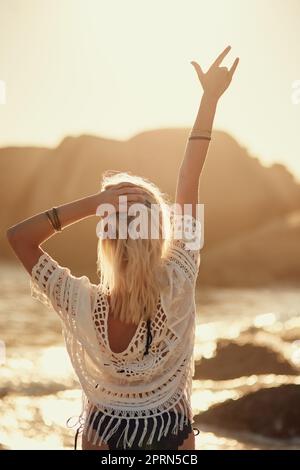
(182, 265)
(184, 248)
(55, 286)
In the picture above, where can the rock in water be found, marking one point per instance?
(233, 359)
(272, 412)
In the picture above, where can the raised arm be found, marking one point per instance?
(214, 83)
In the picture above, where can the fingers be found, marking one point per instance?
(131, 196)
(121, 185)
(129, 190)
(135, 198)
(122, 189)
(233, 68)
(219, 59)
(123, 206)
(199, 70)
(130, 193)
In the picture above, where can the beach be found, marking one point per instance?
(39, 391)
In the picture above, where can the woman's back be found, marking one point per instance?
(134, 389)
(120, 334)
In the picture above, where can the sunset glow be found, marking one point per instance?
(118, 68)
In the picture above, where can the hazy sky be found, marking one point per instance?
(115, 68)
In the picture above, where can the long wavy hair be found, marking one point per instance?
(129, 269)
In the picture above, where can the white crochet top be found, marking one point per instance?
(128, 385)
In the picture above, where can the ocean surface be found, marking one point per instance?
(39, 392)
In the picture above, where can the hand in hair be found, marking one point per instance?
(112, 194)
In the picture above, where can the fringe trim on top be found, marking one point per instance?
(161, 425)
(72, 298)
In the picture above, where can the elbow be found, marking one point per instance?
(12, 236)
(15, 238)
(17, 242)
(23, 250)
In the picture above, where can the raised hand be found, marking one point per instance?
(217, 79)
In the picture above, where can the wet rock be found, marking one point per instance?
(291, 335)
(234, 359)
(270, 412)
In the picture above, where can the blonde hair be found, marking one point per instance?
(129, 269)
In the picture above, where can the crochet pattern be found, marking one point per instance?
(128, 384)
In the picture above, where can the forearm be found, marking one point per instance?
(196, 149)
(206, 113)
(195, 154)
(37, 229)
(26, 236)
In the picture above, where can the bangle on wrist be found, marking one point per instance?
(200, 134)
(54, 219)
(200, 138)
(49, 217)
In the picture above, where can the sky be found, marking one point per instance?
(116, 68)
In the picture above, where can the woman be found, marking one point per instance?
(130, 338)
